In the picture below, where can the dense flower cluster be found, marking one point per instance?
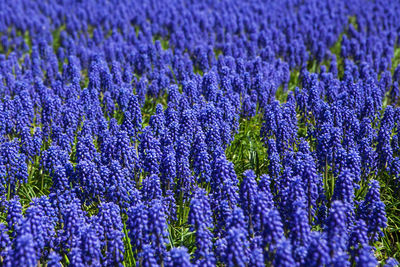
(115, 117)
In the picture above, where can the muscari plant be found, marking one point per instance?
(199, 133)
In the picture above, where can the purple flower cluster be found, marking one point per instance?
(115, 117)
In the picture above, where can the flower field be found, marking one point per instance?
(199, 133)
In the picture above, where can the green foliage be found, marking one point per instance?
(247, 151)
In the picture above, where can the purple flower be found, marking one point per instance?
(14, 214)
(337, 228)
(272, 230)
(318, 251)
(54, 260)
(60, 180)
(201, 158)
(157, 229)
(110, 219)
(237, 247)
(137, 226)
(256, 257)
(157, 121)
(372, 211)
(89, 178)
(358, 238)
(91, 246)
(366, 257)
(248, 194)
(300, 229)
(179, 257)
(75, 257)
(391, 262)
(23, 253)
(5, 243)
(344, 191)
(283, 256)
(151, 188)
(200, 219)
(274, 166)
